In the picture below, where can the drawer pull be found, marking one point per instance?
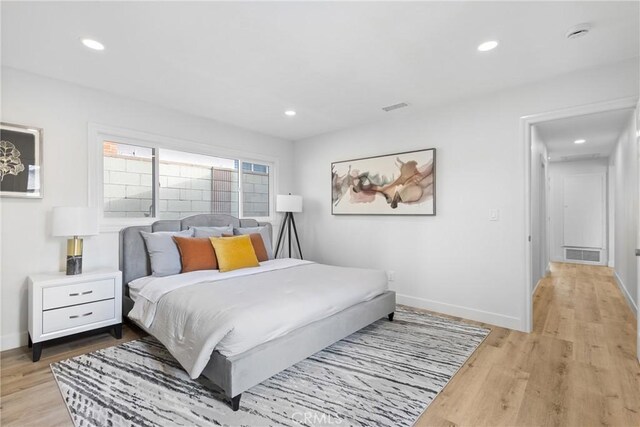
(75, 294)
(84, 315)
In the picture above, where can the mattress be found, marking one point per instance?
(194, 314)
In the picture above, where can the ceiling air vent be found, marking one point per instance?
(395, 106)
(579, 30)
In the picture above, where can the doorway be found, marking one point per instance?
(541, 238)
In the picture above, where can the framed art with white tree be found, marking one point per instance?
(20, 161)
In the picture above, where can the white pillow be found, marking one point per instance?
(211, 231)
(163, 252)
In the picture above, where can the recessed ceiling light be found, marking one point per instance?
(290, 113)
(489, 45)
(579, 141)
(93, 44)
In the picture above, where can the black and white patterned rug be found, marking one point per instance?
(384, 375)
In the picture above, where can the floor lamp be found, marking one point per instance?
(289, 204)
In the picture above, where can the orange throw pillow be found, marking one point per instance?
(196, 253)
(258, 246)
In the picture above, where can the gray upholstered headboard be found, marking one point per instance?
(134, 259)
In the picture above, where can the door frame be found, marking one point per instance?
(526, 122)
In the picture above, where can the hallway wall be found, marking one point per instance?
(624, 161)
(557, 172)
(539, 197)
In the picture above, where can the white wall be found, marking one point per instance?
(624, 161)
(557, 172)
(457, 262)
(63, 110)
(611, 211)
(539, 243)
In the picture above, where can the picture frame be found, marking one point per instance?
(21, 161)
(391, 184)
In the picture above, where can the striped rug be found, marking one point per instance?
(384, 375)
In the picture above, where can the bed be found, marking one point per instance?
(232, 362)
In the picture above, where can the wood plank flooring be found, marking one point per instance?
(29, 393)
(577, 368)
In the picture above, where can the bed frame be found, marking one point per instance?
(239, 373)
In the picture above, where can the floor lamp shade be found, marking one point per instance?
(288, 203)
(74, 222)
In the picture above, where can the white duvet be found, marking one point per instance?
(195, 313)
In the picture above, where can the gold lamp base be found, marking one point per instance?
(74, 256)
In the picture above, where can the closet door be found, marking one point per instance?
(584, 211)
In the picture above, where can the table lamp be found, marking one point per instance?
(289, 204)
(74, 222)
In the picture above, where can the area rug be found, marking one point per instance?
(384, 375)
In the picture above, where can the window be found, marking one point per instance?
(194, 183)
(255, 189)
(147, 181)
(128, 189)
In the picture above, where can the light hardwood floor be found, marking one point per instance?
(578, 367)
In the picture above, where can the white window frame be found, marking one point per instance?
(99, 133)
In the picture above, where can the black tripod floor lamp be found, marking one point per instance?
(289, 204)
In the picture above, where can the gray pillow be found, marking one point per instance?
(264, 232)
(212, 231)
(163, 252)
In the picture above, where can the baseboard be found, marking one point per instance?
(630, 302)
(15, 340)
(547, 272)
(535, 288)
(496, 319)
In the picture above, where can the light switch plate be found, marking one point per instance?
(494, 215)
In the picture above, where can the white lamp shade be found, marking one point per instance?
(288, 203)
(74, 221)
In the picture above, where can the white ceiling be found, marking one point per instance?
(600, 131)
(336, 63)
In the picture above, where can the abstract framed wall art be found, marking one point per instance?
(392, 184)
(20, 161)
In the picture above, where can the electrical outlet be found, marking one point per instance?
(391, 275)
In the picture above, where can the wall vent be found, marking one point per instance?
(395, 106)
(587, 255)
(579, 30)
(575, 157)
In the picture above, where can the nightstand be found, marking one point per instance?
(61, 305)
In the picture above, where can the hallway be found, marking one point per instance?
(577, 368)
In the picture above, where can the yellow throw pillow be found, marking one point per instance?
(234, 252)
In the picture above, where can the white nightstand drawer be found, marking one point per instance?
(78, 315)
(77, 293)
